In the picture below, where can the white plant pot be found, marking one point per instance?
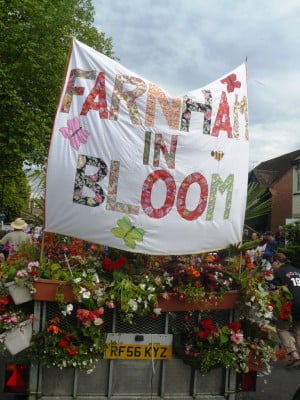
(18, 293)
(18, 339)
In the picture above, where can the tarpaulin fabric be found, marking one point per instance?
(134, 168)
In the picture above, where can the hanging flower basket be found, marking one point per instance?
(46, 290)
(19, 294)
(18, 339)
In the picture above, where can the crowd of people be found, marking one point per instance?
(283, 273)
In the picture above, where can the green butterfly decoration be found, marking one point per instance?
(128, 232)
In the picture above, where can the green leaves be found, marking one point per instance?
(258, 202)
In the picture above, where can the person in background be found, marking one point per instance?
(271, 246)
(279, 237)
(17, 236)
(289, 333)
(262, 243)
(254, 236)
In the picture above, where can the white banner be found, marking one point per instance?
(134, 168)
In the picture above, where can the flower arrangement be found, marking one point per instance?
(104, 278)
(135, 298)
(197, 280)
(11, 319)
(21, 267)
(281, 301)
(62, 344)
(206, 346)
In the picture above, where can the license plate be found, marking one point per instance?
(138, 352)
(123, 346)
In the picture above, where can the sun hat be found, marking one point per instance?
(18, 223)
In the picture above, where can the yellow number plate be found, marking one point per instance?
(138, 352)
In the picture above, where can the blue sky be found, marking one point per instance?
(185, 44)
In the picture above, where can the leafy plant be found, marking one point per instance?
(258, 203)
(62, 345)
(292, 233)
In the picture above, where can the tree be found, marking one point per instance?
(14, 195)
(35, 38)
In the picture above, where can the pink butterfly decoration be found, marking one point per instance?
(75, 133)
(231, 82)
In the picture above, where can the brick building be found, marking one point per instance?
(281, 176)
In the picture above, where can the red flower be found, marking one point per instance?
(207, 324)
(109, 265)
(96, 314)
(235, 326)
(72, 351)
(285, 311)
(204, 334)
(4, 301)
(83, 315)
(63, 343)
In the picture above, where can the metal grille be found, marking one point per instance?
(53, 310)
(176, 320)
(141, 324)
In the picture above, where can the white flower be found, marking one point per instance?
(150, 296)
(133, 304)
(142, 286)
(68, 310)
(169, 280)
(100, 292)
(157, 311)
(95, 278)
(98, 321)
(76, 280)
(86, 294)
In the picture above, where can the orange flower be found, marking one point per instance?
(53, 329)
(210, 258)
(55, 320)
(250, 266)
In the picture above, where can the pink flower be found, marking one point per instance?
(237, 337)
(22, 272)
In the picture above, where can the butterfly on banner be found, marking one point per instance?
(128, 232)
(75, 133)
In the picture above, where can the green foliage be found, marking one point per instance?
(14, 193)
(292, 233)
(258, 202)
(292, 253)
